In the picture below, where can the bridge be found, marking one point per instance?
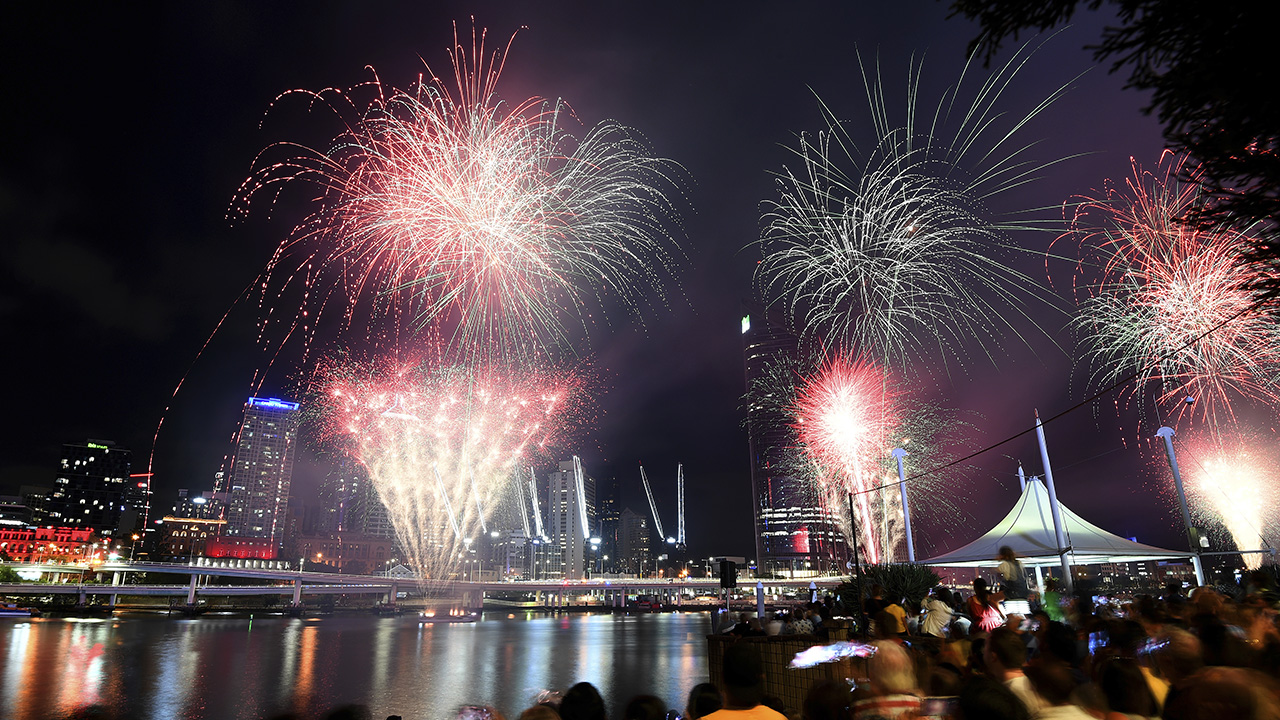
(554, 593)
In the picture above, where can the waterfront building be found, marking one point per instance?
(36, 497)
(634, 557)
(794, 531)
(51, 544)
(14, 512)
(258, 486)
(182, 538)
(571, 514)
(348, 553)
(206, 505)
(93, 489)
(350, 503)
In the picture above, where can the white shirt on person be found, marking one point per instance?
(938, 616)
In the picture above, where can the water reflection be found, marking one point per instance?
(213, 667)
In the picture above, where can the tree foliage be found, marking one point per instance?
(901, 581)
(1210, 69)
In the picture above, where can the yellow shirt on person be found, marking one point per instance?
(759, 712)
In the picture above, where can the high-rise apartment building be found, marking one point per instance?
(350, 503)
(794, 531)
(571, 512)
(258, 485)
(610, 517)
(93, 489)
(633, 543)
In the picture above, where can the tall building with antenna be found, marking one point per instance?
(794, 533)
(261, 472)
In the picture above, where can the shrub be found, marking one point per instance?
(901, 581)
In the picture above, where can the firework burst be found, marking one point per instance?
(1234, 484)
(1170, 304)
(844, 416)
(440, 443)
(450, 208)
(894, 251)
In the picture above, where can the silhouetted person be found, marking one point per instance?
(1005, 655)
(826, 700)
(582, 702)
(1054, 683)
(645, 707)
(1126, 689)
(743, 679)
(704, 699)
(540, 712)
(985, 699)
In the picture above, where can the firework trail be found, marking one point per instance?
(845, 416)
(894, 251)
(453, 209)
(441, 443)
(1234, 483)
(1170, 304)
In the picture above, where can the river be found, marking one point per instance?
(151, 666)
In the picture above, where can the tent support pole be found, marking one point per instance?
(1192, 534)
(1068, 581)
(898, 454)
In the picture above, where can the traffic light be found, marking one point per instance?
(728, 574)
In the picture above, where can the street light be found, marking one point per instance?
(133, 547)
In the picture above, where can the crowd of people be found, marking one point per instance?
(1013, 652)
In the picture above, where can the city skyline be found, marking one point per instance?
(149, 291)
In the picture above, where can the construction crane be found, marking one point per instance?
(653, 506)
(533, 495)
(680, 543)
(524, 510)
(580, 487)
(679, 539)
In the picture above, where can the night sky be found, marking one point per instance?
(128, 129)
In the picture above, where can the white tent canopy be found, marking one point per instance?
(1028, 530)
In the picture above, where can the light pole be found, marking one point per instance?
(133, 547)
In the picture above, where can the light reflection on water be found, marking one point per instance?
(157, 667)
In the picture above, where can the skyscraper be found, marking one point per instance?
(351, 503)
(571, 501)
(633, 542)
(93, 489)
(794, 532)
(610, 517)
(258, 487)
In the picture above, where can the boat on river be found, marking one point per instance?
(453, 616)
(7, 610)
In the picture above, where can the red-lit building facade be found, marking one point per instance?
(54, 544)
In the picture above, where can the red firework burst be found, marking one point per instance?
(451, 208)
(1170, 304)
(845, 415)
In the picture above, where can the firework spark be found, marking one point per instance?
(1170, 305)
(889, 248)
(441, 442)
(1233, 483)
(452, 209)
